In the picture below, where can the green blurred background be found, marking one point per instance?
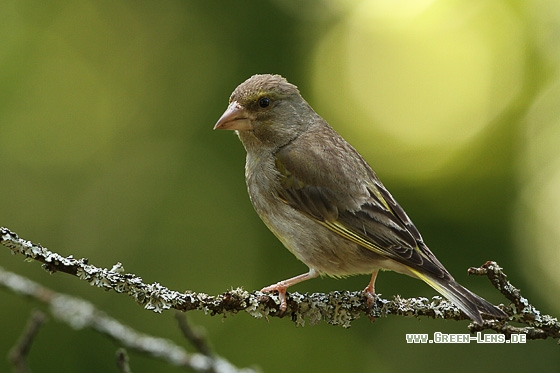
(107, 152)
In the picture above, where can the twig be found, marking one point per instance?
(122, 361)
(539, 326)
(18, 354)
(336, 308)
(196, 338)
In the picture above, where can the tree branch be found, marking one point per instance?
(18, 354)
(336, 308)
(539, 326)
(80, 314)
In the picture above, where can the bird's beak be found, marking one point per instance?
(234, 118)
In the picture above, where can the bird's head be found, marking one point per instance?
(266, 110)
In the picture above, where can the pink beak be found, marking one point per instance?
(234, 118)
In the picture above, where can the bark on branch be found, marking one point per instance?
(336, 308)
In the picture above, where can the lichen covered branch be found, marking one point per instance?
(336, 308)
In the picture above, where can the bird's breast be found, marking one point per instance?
(312, 243)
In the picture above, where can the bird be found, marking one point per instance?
(323, 201)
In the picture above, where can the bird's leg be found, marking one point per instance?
(369, 291)
(281, 287)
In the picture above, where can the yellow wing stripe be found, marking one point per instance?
(341, 230)
(437, 287)
(377, 193)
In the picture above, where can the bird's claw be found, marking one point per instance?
(281, 289)
(369, 292)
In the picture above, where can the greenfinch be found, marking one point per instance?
(323, 201)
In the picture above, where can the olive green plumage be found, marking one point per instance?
(322, 200)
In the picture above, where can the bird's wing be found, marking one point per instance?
(340, 191)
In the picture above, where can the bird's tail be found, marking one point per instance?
(468, 302)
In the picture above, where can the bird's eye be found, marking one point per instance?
(264, 102)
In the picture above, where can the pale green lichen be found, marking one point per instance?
(253, 307)
(118, 268)
(334, 308)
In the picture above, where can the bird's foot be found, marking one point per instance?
(369, 292)
(370, 298)
(370, 301)
(280, 287)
